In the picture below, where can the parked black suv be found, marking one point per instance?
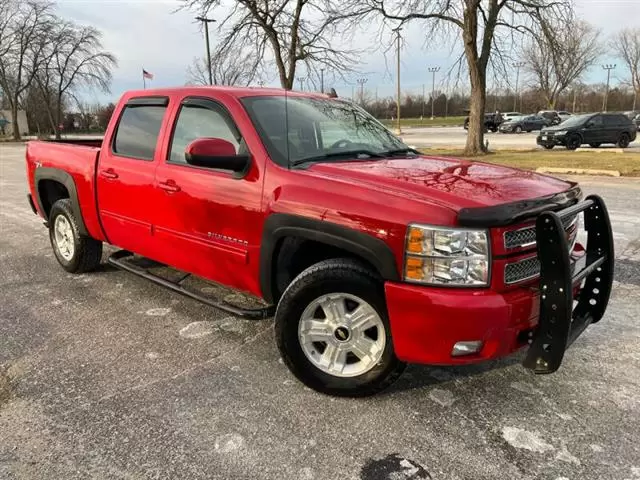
(593, 129)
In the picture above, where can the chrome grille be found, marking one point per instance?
(522, 270)
(526, 237)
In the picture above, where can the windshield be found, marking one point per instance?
(296, 129)
(575, 120)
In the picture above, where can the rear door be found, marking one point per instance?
(126, 172)
(595, 133)
(612, 128)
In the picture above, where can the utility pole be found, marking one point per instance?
(608, 68)
(301, 81)
(361, 82)
(322, 80)
(518, 66)
(575, 97)
(206, 22)
(423, 102)
(433, 71)
(398, 30)
(261, 83)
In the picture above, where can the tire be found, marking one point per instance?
(624, 140)
(528, 131)
(343, 285)
(573, 142)
(76, 253)
(548, 147)
(595, 145)
(518, 129)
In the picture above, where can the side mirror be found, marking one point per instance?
(216, 153)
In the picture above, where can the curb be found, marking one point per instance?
(578, 171)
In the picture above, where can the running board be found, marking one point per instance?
(117, 259)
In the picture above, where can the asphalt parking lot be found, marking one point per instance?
(106, 375)
(455, 137)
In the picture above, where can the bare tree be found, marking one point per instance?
(559, 55)
(24, 31)
(288, 31)
(626, 44)
(486, 28)
(75, 59)
(228, 67)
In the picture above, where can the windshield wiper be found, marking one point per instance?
(354, 154)
(400, 151)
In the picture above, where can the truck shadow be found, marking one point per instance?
(417, 377)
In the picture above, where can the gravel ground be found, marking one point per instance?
(106, 375)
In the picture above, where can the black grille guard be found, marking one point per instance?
(560, 323)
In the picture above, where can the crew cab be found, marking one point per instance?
(368, 254)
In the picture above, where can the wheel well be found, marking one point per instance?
(50, 191)
(293, 255)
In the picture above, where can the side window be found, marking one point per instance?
(137, 132)
(597, 120)
(197, 121)
(611, 120)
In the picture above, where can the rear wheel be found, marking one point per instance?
(333, 331)
(573, 142)
(595, 145)
(624, 140)
(76, 253)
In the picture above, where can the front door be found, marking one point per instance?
(595, 132)
(125, 176)
(208, 221)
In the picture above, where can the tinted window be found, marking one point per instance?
(197, 121)
(611, 120)
(597, 120)
(138, 130)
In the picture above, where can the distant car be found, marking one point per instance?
(551, 115)
(526, 123)
(564, 115)
(636, 121)
(631, 114)
(511, 115)
(491, 122)
(593, 129)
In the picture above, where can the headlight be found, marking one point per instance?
(436, 255)
(560, 133)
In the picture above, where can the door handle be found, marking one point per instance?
(169, 186)
(109, 173)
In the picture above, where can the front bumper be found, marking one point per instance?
(548, 140)
(427, 322)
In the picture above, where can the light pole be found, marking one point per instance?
(423, 102)
(361, 82)
(398, 30)
(322, 80)
(433, 71)
(518, 66)
(608, 68)
(301, 81)
(206, 22)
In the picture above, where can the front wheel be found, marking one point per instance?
(573, 142)
(518, 129)
(75, 252)
(333, 332)
(548, 147)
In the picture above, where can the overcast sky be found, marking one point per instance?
(153, 35)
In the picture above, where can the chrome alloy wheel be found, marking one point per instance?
(63, 234)
(342, 335)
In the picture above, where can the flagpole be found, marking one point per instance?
(144, 82)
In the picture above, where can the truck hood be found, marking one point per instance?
(450, 182)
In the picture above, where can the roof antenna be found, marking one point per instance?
(286, 127)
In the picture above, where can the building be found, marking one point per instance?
(8, 123)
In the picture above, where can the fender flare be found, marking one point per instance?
(280, 225)
(60, 176)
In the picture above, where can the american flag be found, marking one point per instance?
(146, 74)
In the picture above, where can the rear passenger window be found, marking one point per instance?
(137, 132)
(610, 120)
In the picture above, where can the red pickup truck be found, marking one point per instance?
(369, 254)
